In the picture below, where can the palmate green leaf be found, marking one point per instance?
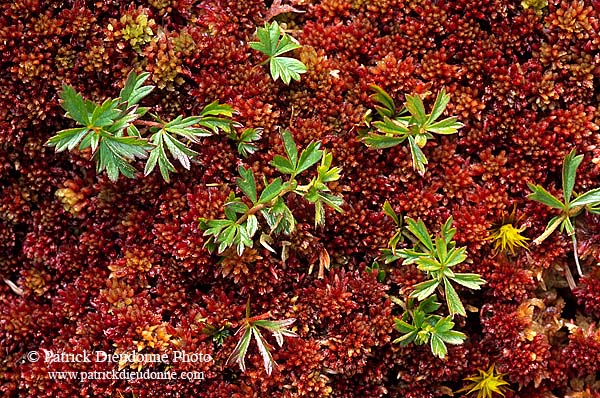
(589, 198)
(245, 146)
(569, 170)
(247, 183)
(455, 306)
(541, 195)
(134, 91)
(274, 43)
(68, 139)
(114, 154)
(163, 141)
(286, 68)
(158, 155)
(73, 103)
(178, 150)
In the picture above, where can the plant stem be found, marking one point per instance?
(574, 239)
(148, 123)
(259, 206)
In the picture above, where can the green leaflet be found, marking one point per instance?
(274, 43)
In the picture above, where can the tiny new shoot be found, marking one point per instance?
(569, 207)
(111, 130)
(437, 256)
(241, 222)
(251, 328)
(273, 42)
(394, 126)
(421, 326)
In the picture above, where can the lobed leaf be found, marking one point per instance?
(67, 139)
(247, 183)
(455, 306)
(133, 91)
(73, 103)
(286, 68)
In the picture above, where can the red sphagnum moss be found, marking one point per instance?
(90, 265)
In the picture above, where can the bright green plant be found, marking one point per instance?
(436, 256)
(486, 384)
(421, 326)
(218, 334)
(411, 123)
(110, 130)
(274, 43)
(568, 207)
(245, 140)
(251, 328)
(242, 223)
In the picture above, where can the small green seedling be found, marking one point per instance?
(421, 326)
(569, 207)
(111, 131)
(242, 222)
(274, 43)
(436, 256)
(411, 123)
(251, 327)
